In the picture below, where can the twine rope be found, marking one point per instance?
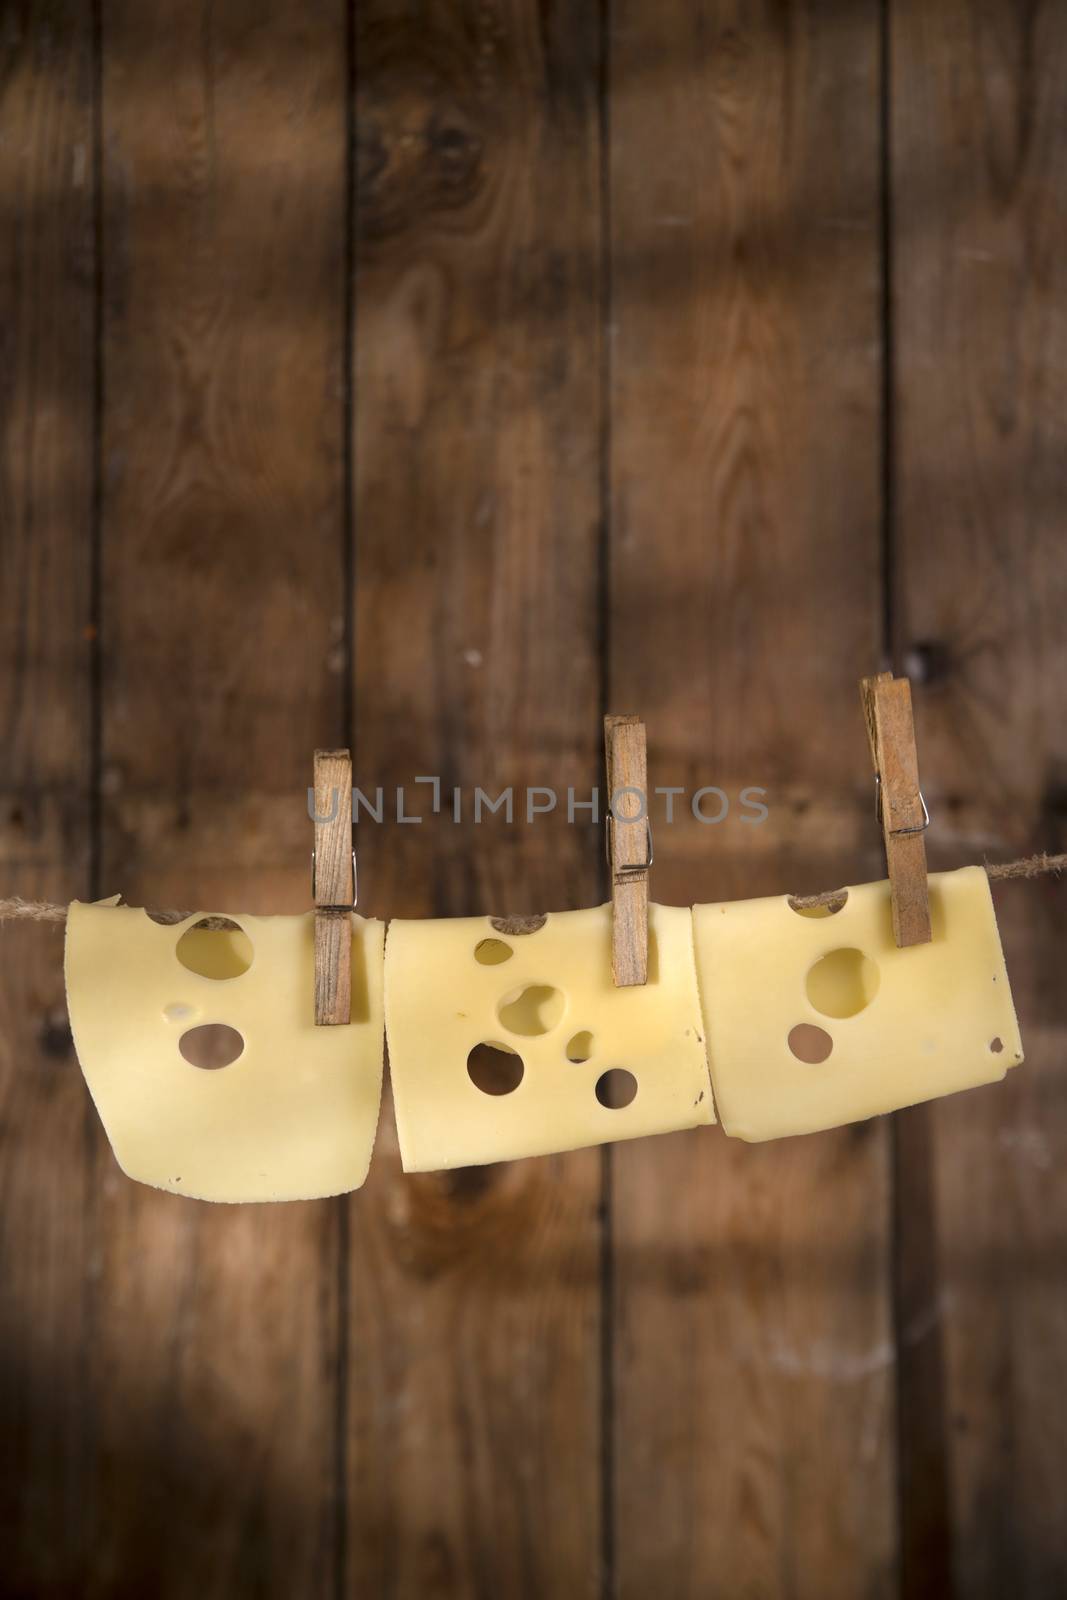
(15, 909)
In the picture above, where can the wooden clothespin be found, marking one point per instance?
(333, 886)
(900, 806)
(628, 835)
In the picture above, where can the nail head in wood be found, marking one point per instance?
(890, 723)
(333, 887)
(629, 852)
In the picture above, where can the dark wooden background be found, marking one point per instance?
(431, 376)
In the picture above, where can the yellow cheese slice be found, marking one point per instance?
(899, 1026)
(292, 1117)
(538, 1007)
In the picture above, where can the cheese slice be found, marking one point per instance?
(895, 1026)
(545, 1002)
(292, 1117)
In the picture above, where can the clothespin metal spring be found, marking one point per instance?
(898, 833)
(626, 868)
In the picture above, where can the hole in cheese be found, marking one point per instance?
(580, 1048)
(492, 952)
(211, 1046)
(494, 1068)
(616, 1088)
(842, 982)
(532, 1010)
(215, 949)
(516, 925)
(996, 1045)
(810, 1043)
(830, 909)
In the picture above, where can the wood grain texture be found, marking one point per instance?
(753, 1450)
(473, 1362)
(979, 214)
(416, 1392)
(628, 844)
(334, 887)
(211, 1361)
(333, 968)
(891, 735)
(334, 882)
(46, 393)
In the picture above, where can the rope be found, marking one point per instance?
(1027, 867)
(15, 909)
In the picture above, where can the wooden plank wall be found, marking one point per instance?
(47, 473)
(750, 1282)
(431, 377)
(979, 599)
(472, 1401)
(222, 531)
